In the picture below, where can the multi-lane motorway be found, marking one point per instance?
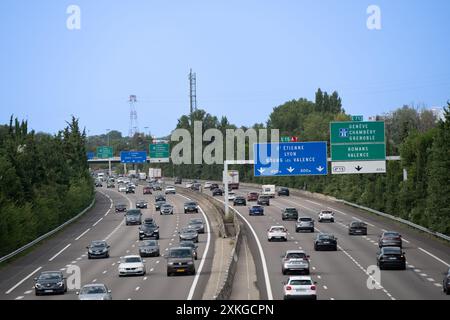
(339, 274)
(68, 247)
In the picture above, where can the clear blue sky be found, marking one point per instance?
(249, 56)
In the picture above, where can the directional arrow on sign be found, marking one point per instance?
(320, 168)
(261, 170)
(290, 169)
(358, 168)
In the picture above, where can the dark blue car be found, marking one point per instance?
(256, 211)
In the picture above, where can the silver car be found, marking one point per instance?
(95, 291)
(304, 223)
(188, 234)
(295, 261)
(166, 209)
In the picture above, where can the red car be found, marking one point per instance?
(252, 196)
(147, 190)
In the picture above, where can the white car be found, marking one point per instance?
(170, 190)
(326, 215)
(231, 196)
(189, 184)
(277, 233)
(207, 185)
(300, 287)
(131, 265)
(122, 188)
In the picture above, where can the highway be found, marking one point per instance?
(68, 247)
(342, 274)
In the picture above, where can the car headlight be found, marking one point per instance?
(38, 285)
(140, 231)
(170, 263)
(59, 284)
(185, 208)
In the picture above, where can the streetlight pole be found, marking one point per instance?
(109, 160)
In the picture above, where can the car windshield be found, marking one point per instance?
(50, 276)
(131, 260)
(180, 253)
(277, 229)
(133, 212)
(120, 206)
(296, 255)
(93, 290)
(166, 205)
(191, 203)
(391, 250)
(391, 234)
(256, 207)
(148, 243)
(141, 201)
(304, 282)
(99, 244)
(326, 236)
(304, 219)
(326, 212)
(188, 244)
(195, 221)
(187, 230)
(291, 210)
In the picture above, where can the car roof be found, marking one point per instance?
(175, 248)
(277, 227)
(46, 272)
(131, 256)
(295, 251)
(94, 285)
(300, 278)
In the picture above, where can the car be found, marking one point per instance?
(141, 204)
(326, 215)
(121, 207)
(157, 187)
(304, 223)
(159, 204)
(149, 231)
(122, 188)
(189, 185)
(295, 261)
(160, 197)
(390, 239)
(147, 190)
(95, 291)
(263, 200)
(239, 201)
(277, 233)
(131, 265)
(256, 211)
(149, 221)
(98, 184)
(180, 260)
(391, 258)
(110, 185)
(252, 196)
(283, 191)
(196, 187)
(325, 241)
(289, 214)
(217, 192)
(357, 228)
(207, 185)
(190, 206)
(98, 249)
(50, 282)
(213, 186)
(170, 190)
(133, 216)
(149, 248)
(130, 189)
(446, 282)
(191, 245)
(166, 208)
(300, 287)
(197, 224)
(188, 234)
(231, 196)
(178, 180)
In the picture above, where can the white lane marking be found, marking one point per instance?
(430, 279)
(78, 238)
(407, 241)
(417, 270)
(317, 204)
(95, 280)
(157, 261)
(358, 219)
(145, 278)
(28, 292)
(74, 261)
(261, 253)
(325, 287)
(205, 253)
(105, 271)
(114, 231)
(52, 258)
(314, 268)
(424, 275)
(19, 298)
(62, 269)
(411, 266)
(438, 285)
(78, 259)
(23, 280)
(151, 270)
(97, 222)
(129, 299)
(296, 242)
(133, 246)
(137, 288)
(331, 298)
(432, 255)
(319, 277)
(113, 264)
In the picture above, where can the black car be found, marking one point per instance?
(180, 260)
(149, 231)
(213, 186)
(289, 214)
(282, 191)
(197, 224)
(357, 228)
(188, 234)
(141, 204)
(130, 189)
(217, 192)
(190, 244)
(98, 184)
(98, 249)
(160, 197)
(390, 239)
(190, 206)
(325, 241)
(446, 282)
(133, 216)
(239, 201)
(263, 200)
(158, 205)
(50, 282)
(157, 187)
(120, 207)
(391, 258)
(149, 248)
(178, 180)
(196, 186)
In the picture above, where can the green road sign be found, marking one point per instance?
(104, 152)
(357, 132)
(357, 152)
(285, 139)
(357, 118)
(160, 150)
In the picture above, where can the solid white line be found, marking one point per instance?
(28, 292)
(51, 259)
(319, 277)
(405, 240)
(338, 211)
(19, 298)
(325, 287)
(137, 288)
(23, 280)
(432, 255)
(430, 279)
(114, 231)
(95, 280)
(78, 238)
(97, 222)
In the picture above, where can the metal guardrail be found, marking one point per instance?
(48, 234)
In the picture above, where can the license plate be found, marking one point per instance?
(48, 291)
(300, 290)
(326, 242)
(392, 258)
(180, 270)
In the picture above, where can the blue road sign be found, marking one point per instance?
(290, 159)
(133, 156)
(90, 155)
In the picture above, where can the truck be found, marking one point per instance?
(232, 177)
(154, 173)
(142, 176)
(268, 190)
